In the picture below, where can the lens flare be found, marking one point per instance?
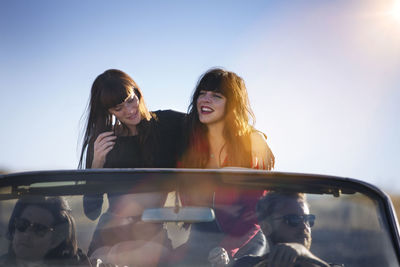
(396, 10)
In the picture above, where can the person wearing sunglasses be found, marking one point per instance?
(286, 222)
(41, 231)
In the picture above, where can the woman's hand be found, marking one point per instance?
(103, 144)
(262, 157)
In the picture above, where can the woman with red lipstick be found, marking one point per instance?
(220, 132)
(122, 133)
(219, 135)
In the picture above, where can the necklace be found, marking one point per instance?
(212, 156)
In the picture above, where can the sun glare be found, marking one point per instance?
(396, 10)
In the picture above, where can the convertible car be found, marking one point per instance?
(176, 217)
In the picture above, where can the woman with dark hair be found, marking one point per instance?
(122, 133)
(220, 134)
(41, 231)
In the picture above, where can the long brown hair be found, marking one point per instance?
(238, 126)
(109, 89)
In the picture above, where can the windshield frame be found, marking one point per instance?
(93, 180)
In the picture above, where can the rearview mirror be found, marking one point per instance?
(181, 214)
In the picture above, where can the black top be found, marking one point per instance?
(164, 143)
(125, 154)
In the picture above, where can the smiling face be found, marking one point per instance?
(28, 243)
(128, 112)
(211, 107)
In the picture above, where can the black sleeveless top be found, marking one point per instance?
(165, 144)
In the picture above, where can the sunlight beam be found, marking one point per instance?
(396, 10)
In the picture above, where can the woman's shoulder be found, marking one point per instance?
(169, 114)
(261, 151)
(258, 139)
(169, 120)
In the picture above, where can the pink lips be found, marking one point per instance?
(134, 115)
(206, 110)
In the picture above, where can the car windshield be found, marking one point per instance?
(177, 218)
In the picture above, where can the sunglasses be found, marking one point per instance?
(294, 220)
(39, 229)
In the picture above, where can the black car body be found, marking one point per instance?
(355, 226)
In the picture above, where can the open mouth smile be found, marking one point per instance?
(206, 109)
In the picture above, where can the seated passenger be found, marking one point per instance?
(41, 231)
(286, 222)
(122, 238)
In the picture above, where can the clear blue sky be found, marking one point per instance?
(323, 76)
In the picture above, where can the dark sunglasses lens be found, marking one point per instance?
(296, 220)
(310, 219)
(21, 224)
(40, 230)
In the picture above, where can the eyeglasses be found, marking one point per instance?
(295, 220)
(39, 229)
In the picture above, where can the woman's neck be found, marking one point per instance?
(217, 145)
(132, 130)
(125, 130)
(215, 131)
